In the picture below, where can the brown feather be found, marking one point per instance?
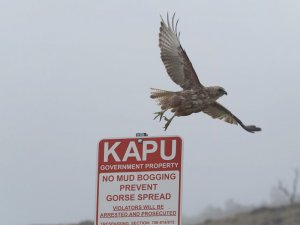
(216, 110)
(175, 59)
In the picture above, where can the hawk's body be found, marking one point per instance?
(186, 102)
(194, 97)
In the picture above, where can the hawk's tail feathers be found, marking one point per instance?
(164, 98)
(158, 93)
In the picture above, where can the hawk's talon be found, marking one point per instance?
(159, 114)
(168, 122)
(156, 115)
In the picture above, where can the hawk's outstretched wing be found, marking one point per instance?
(175, 59)
(216, 110)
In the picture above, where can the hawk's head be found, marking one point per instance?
(216, 91)
(221, 91)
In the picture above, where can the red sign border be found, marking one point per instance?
(143, 138)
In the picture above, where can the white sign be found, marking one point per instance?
(139, 181)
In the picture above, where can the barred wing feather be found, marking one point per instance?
(218, 111)
(175, 59)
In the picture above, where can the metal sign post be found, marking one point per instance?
(139, 181)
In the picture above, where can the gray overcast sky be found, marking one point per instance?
(74, 72)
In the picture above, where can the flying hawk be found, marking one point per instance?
(194, 97)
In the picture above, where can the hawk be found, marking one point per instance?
(194, 97)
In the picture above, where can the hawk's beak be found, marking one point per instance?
(225, 93)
